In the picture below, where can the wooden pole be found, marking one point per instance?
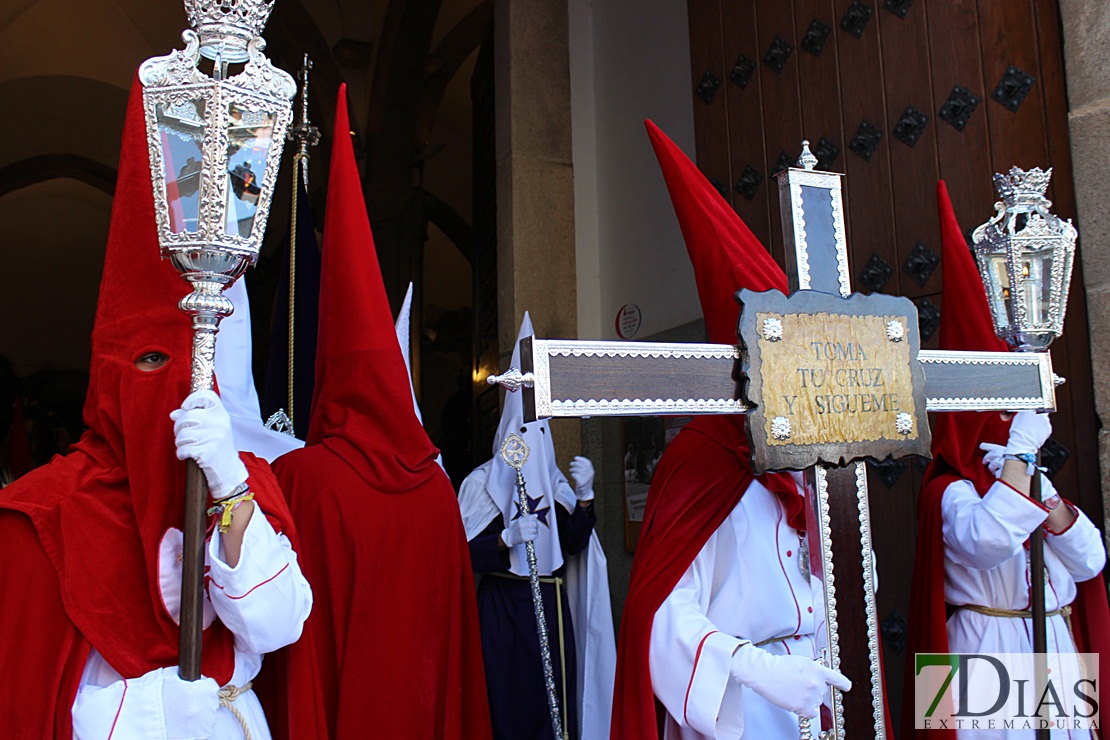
(192, 572)
(1036, 585)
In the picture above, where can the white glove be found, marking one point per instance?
(792, 682)
(582, 470)
(1028, 431)
(202, 431)
(524, 529)
(994, 459)
(190, 707)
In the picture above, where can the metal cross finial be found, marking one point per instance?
(807, 161)
(304, 133)
(512, 380)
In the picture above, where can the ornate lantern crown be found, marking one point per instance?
(1023, 188)
(226, 27)
(1025, 255)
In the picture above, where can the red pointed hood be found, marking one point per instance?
(102, 540)
(705, 471)
(965, 324)
(725, 253)
(361, 407)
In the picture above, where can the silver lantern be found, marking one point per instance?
(1025, 255)
(215, 144)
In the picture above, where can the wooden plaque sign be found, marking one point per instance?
(831, 379)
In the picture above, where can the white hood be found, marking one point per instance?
(235, 382)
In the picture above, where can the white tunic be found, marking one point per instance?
(986, 564)
(746, 584)
(264, 601)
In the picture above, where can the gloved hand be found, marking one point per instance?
(994, 458)
(202, 431)
(189, 707)
(582, 470)
(524, 529)
(792, 682)
(1028, 431)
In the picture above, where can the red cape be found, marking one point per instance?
(702, 476)
(394, 619)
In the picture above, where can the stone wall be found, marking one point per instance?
(1086, 40)
(536, 268)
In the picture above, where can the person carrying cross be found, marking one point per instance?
(721, 618)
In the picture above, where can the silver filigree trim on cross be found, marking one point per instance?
(895, 330)
(831, 618)
(867, 553)
(780, 427)
(801, 245)
(842, 274)
(903, 422)
(541, 364)
(772, 329)
(575, 348)
(641, 406)
(996, 403)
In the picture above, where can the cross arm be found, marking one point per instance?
(573, 378)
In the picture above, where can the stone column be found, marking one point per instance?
(535, 181)
(1086, 38)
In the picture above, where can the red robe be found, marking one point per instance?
(394, 617)
(394, 620)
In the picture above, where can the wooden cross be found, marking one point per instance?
(776, 379)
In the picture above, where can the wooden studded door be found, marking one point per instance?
(896, 95)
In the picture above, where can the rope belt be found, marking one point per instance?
(230, 693)
(1064, 611)
(562, 639)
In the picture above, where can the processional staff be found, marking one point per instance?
(215, 148)
(514, 451)
(306, 135)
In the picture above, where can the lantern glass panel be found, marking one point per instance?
(999, 297)
(181, 132)
(1037, 271)
(250, 134)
